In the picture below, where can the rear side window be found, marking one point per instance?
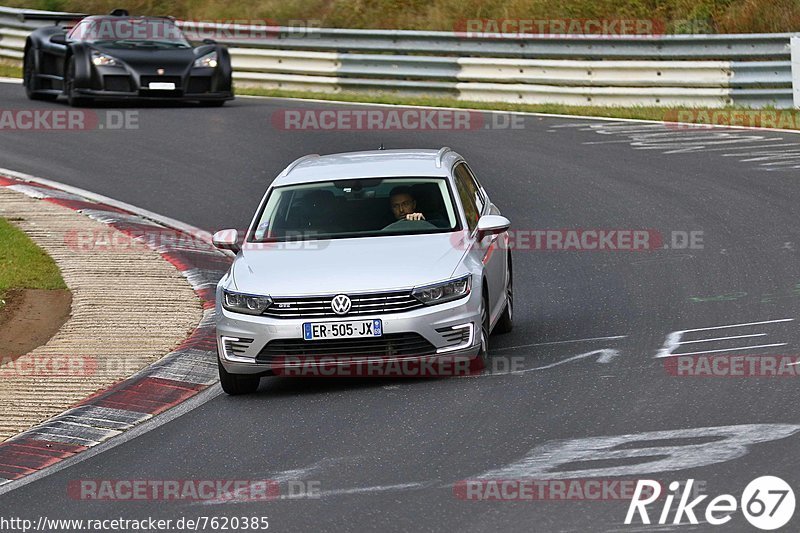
(470, 194)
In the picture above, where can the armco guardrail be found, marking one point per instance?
(754, 70)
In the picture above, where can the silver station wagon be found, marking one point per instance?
(364, 257)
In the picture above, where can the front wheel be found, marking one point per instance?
(236, 384)
(69, 86)
(483, 354)
(506, 320)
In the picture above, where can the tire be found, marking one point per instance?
(483, 354)
(69, 86)
(29, 78)
(235, 384)
(506, 321)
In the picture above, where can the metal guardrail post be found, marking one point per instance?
(795, 46)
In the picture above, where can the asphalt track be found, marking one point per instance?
(386, 453)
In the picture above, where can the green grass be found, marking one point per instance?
(787, 119)
(680, 16)
(10, 71)
(23, 265)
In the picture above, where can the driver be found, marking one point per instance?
(403, 204)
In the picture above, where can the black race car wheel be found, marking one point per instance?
(69, 86)
(29, 78)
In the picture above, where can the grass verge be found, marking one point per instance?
(10, 71)
(739, 116)
(736, 116)
(23, 265)
(680, 16)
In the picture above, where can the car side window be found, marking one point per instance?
(77, 33)
(470, 194)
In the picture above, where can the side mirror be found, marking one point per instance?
(492, 225)
(58, 38)
(226, 239)
(209, 41)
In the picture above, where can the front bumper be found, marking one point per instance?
(152, 95)
(126, 83)
(432, 323)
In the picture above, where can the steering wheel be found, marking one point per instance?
(400, 225)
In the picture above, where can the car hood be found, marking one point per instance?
(172, 60)
(347, 265)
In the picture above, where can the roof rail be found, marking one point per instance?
(440, 155)
(297, 162)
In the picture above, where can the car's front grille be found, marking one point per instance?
(147, 80)
(117, 83)
(362, 304)
(391, 345)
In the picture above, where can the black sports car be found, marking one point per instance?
(122, 57)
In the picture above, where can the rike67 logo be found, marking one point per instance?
(767, 503)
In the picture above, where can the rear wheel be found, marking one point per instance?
(29, 78)
(235, 384)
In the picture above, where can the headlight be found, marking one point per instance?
(208, 60)
(103, 60)
(444, 292)
(245, 303)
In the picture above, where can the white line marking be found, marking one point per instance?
(559, 342)
(605, 356)
(725, 338)
(523, 113)
(363, 490)
(740, 325)
(727, 349)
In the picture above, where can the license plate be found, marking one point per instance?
(342, 330)
(161, 86)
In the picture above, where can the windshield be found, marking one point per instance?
(130, 32)
(356, 208)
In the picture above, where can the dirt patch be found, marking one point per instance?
(30, 318)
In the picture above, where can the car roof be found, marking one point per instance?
(127, 17)
(369, 164)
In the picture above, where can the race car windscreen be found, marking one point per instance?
(130, 32)
(356, 208)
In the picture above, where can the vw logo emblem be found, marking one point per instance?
(341, 304)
